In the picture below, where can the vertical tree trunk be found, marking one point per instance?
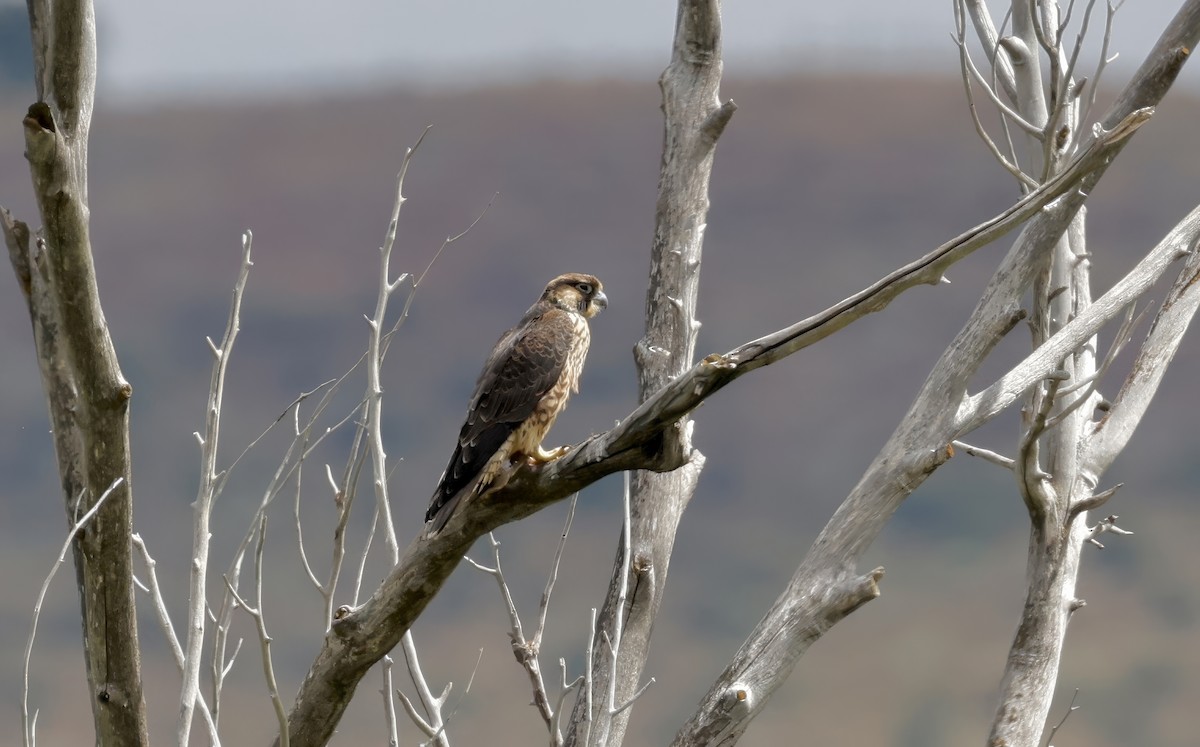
(1057, 467)
(87, 395)
(694, 120)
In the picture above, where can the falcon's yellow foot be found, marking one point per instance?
(541, 456)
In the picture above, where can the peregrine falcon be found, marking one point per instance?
(524, 385)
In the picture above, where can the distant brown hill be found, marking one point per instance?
(821, 185)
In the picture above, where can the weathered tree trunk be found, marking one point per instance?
(1058, 467)
(694, 119)
(827, 585)
(87, 395)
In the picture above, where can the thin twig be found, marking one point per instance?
(451, 239)
(1071, 708)
(524, 651)
(206, 496)
(164, 620)
(985, 454)
(614, 643)
(558, 553)
(432, 704)
(264, 638)
(389, 705)
(27, 725)
(1104, 60)
(1107, 524)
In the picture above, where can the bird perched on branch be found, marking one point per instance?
(524, 385)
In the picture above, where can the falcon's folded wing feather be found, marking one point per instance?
(524, 385)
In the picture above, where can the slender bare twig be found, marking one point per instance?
(297, 451)
(1107, 524)
(1090, 383)
(438, 734)
(374, 388)
(164, 620)
(389, 705)
(614, 646)
(989, 39)
(1015, 117)
(330, 387)
(968, 70)
(160, 604)
(446, 243)
(27, 723)
(416, 717)
(374, 418)
(1103, 62)
(1071, 708)
(362, 560)
(588, 680)
(526, 650)
(197, 598)
(565, 688)
(431, 703)
(985, 454)
(544, 606)
(260, 622)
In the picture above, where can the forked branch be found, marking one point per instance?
(361, 636)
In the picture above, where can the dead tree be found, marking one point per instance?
(88, 397)
(1071, 432)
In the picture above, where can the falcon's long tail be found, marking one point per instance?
(440, 512)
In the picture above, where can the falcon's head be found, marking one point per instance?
(576, 292)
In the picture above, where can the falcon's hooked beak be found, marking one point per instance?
(600, 300)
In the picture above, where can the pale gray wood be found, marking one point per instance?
(87, 395)
(694, 119)
(362, 636)
(827, 585)
(1059, 468)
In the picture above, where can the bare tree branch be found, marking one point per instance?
(206, 494)
(389, 704)
(694, 118)
(826, 585)
(979, 408)
(1151, 364)
(527, 650)
(164, 620)
(990, 40)
(87, 394)
(362, 635)
(260, 623)
(27, 724)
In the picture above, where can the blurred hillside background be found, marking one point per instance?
(852, 152)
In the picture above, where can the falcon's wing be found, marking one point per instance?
(525, 364)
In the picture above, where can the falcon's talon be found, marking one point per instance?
(542, 457)
(524, 385)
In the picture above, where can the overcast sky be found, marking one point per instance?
(161, 47)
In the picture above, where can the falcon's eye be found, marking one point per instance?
(584, 287)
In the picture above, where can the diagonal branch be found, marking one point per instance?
(1152, 361)
(362, 636)
(981, 407)
(827, 585)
